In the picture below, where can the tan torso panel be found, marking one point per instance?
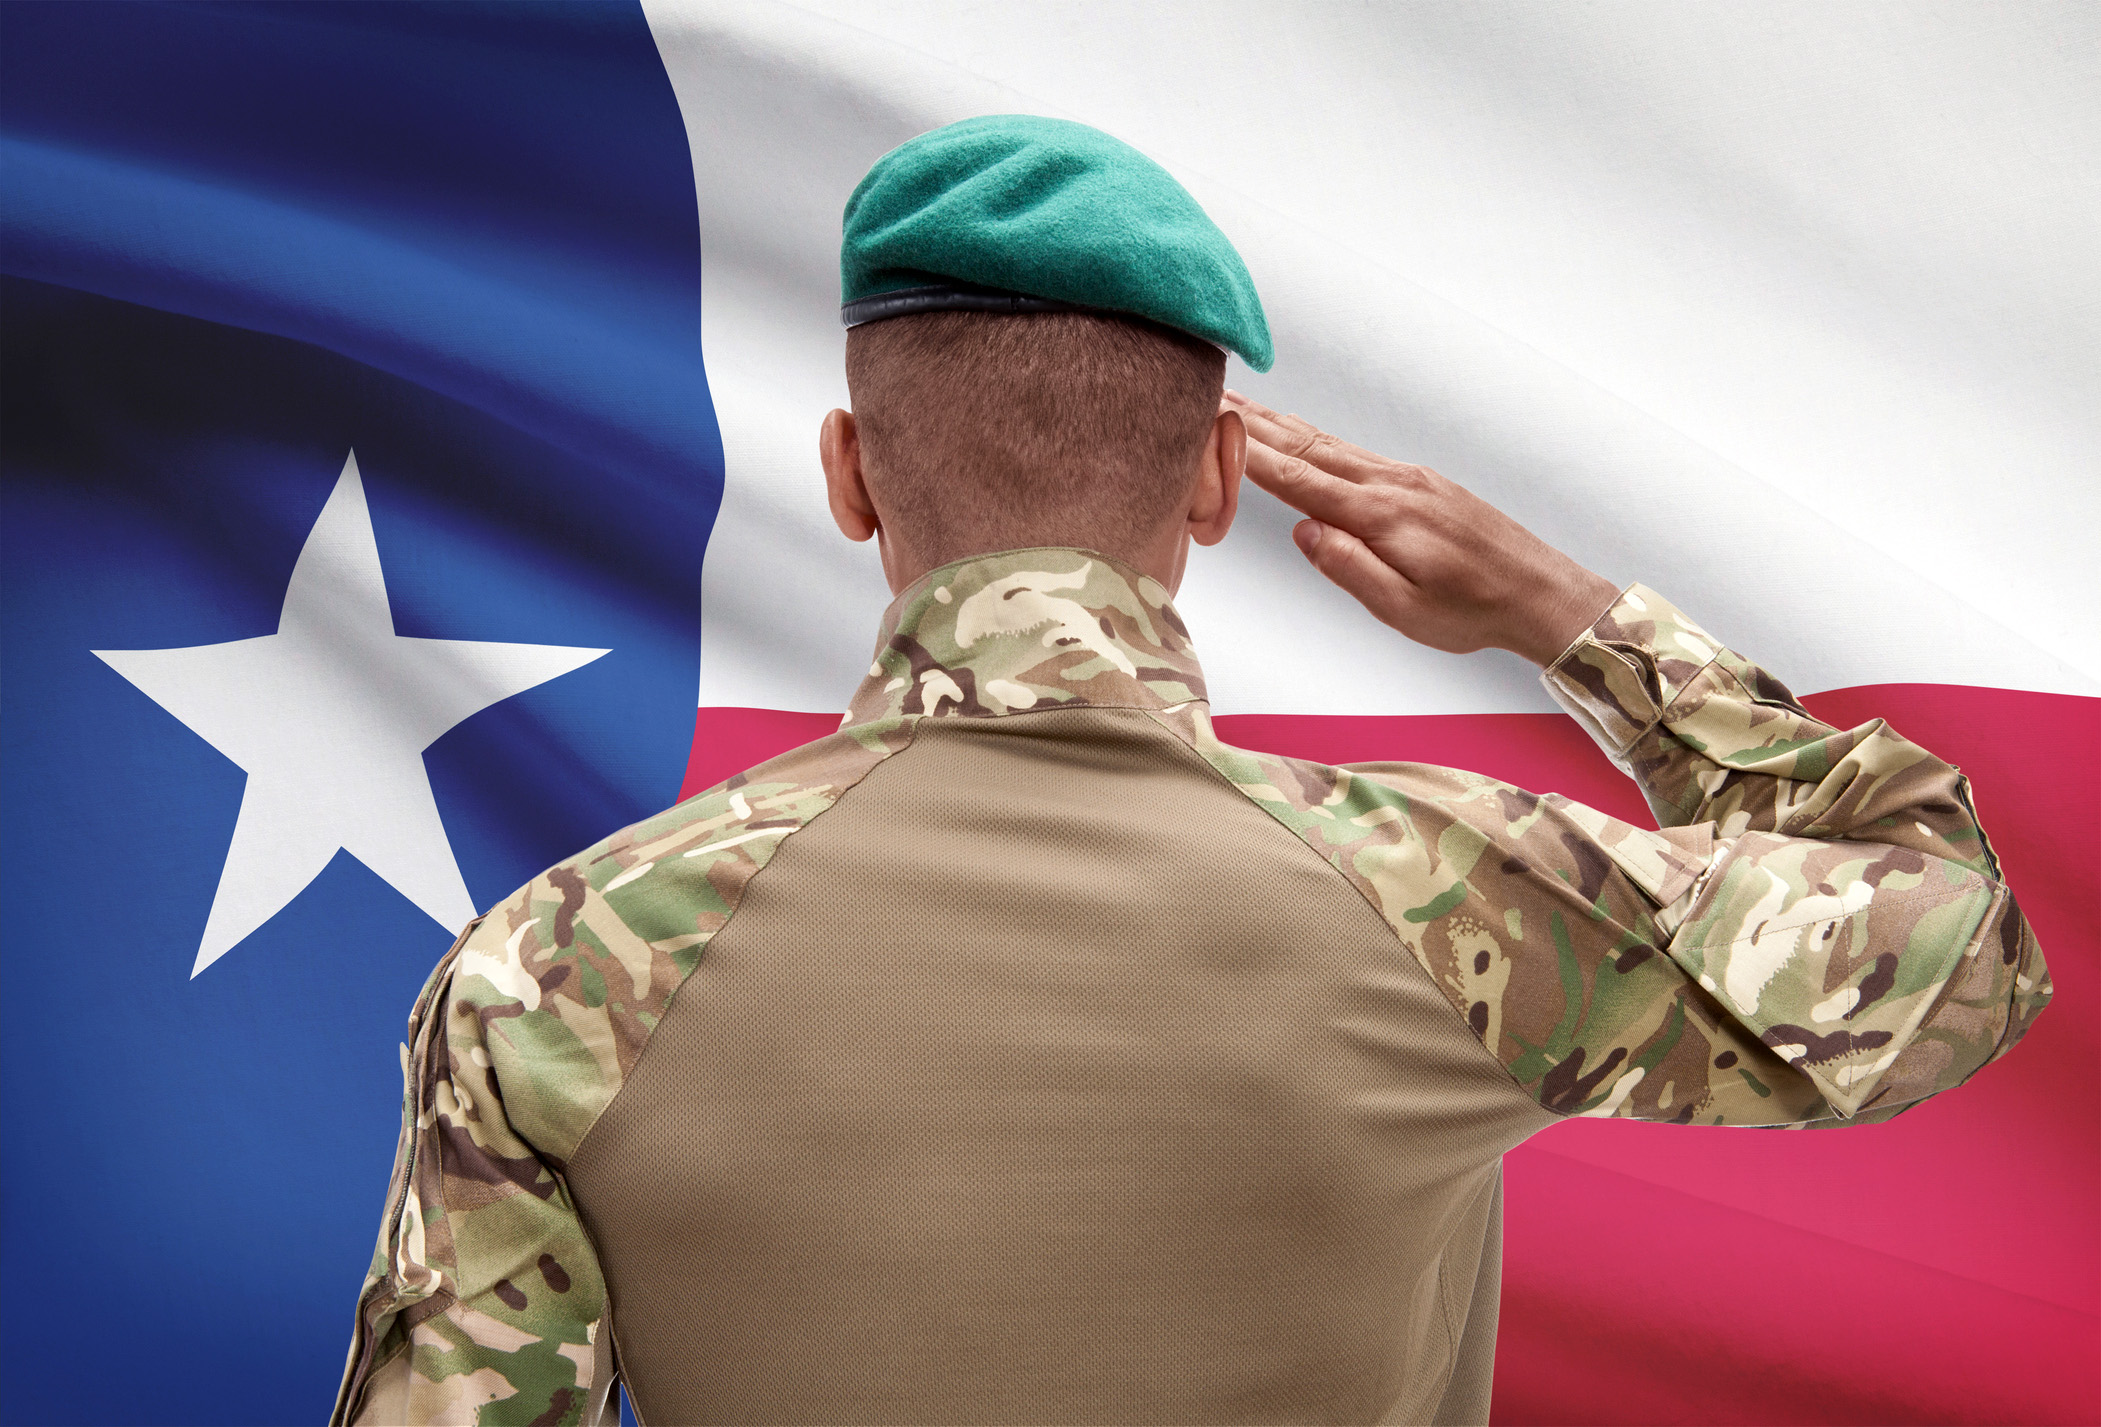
(1046, 1070)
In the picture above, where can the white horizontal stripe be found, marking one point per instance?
(1795, 321)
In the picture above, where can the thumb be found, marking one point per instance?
(1350, 563)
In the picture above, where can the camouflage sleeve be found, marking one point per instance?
(1818, 935)
(1853, 911)
(484, 1301)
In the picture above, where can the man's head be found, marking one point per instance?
(974, 431)
(1038, 317)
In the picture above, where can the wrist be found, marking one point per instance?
(1559, 613)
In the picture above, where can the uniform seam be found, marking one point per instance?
(1968, 798)
(1677, 704)
(621, 1384)
(1992, 915)
(372, 1369)
(605, 1307)
(1972, 949)
(1639, 668)
(1407, 954)
(426, 1022)
(1076, 706)
(911, 732)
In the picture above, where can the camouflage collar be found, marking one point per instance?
(1028, 629)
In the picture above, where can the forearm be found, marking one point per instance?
(1853, 913)
(1713, 738)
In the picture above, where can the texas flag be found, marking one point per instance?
(408, 407)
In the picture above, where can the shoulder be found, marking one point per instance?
(567, 977)
(1498, 893)
(1355, 815)
(1416, 837)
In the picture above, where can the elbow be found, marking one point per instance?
(1989, 1002)
(1991, 986)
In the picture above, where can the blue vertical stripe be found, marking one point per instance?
(240, 241)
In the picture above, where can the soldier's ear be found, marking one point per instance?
(839, 449)
(1216, 499)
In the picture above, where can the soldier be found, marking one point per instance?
(1023, 1053)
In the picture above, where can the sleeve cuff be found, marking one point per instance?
(1622, 673)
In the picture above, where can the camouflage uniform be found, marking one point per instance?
(1818, 936)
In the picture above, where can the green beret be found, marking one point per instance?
(1012, 213)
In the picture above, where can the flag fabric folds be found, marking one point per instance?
(359, 466)
(366, 523)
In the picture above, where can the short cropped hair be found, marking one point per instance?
(984, 431)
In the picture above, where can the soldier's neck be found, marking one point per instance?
(1164, 556)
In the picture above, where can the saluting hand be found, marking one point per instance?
(1422, 553)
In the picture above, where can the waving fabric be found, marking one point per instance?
(405, 405)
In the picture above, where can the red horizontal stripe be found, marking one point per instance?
(1945, 1267)
(1627, 1302)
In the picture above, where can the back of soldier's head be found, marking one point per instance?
(982, 431)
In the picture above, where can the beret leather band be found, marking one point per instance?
(968, 297)
(948, 297)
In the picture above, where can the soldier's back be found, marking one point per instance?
(1046, 1068)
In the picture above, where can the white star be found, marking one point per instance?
(329, 717)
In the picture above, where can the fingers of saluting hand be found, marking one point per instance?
(1322, 475)
(1295, 436)
(1304, 486)
(1274, 463)
(1422, 553)
(1350, 492)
